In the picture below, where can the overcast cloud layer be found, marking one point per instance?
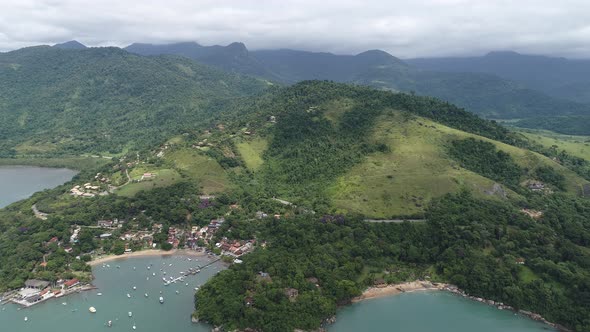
(402, 28)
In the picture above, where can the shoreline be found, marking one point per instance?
(146, 253)
(394, 289)
(416, 286)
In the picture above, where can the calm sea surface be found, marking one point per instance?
(19, 182)
(114, 284)
(415, 312)
(430, 311)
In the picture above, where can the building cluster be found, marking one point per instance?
(36, 291)
(235, 248)
(87, 190)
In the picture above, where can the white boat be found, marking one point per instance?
(110, 323)
(99, 294)
(134, 267)
(186, 284)
(134, 327)
(149, 267)
(130, 314)
(64, 303)
(26, 319)
(154, 274)
(146, 295)
(177, 292)
(161, 299)
(134, 288)
(128, 295)
(92, 309)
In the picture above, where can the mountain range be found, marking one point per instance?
(487, 93)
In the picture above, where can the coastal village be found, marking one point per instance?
(193, 238)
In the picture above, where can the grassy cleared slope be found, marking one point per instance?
(417, 169)
(578, 146)
(211, 177)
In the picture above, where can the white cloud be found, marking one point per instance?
(403, 28)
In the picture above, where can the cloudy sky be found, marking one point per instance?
(403, 28)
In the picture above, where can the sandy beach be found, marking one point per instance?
(406, 287)
(146, 253)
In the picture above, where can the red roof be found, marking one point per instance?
(71, 282)
(53, 239)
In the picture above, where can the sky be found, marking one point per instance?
(406, 29)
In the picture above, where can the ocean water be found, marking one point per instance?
(19, 182)
(114, 284)
(430, 311)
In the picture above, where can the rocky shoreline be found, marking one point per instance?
(501, 306)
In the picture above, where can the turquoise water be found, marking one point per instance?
(19, 182)
(430, 311)
(410, 312)
(114, 283)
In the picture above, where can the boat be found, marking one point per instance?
(64, 303)
(149, 267)
(146, 295)
(161, 299)
(177, 292)
(130, 314)
(134, 327)
(154, 274)
(186, 284)
(92, 309)
(26, 319)
(118, 267)
(128, 295)
(110, 323)
(99, 294)
(134, 288)
(134, 267)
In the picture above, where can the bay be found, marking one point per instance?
(20, 182)
(114, 284)
(430, 311)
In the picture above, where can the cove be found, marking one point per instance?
(435, 311)
(19, 182)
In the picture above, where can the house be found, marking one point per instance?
(249, 301)
(105, 223)
(520, 261)
(69, 250)
(291, 293)
(146, 176)
(261, 215)
(36, 284)
(379, 282)
(536, 186)
(71, 283)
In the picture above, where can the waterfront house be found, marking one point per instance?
(36, 284)
(71, 283)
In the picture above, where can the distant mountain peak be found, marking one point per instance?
(71, 45)
(379, 57)
(502, 54)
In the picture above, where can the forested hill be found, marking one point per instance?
(105, 100)
(482, 93)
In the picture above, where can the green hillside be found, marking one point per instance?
(105, 100)
(376, 153)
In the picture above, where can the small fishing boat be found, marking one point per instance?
(99, 294)
(134, 327)
(26, 319)
(154, 274)
(128, 295)
(118, 267)
(134, 267)
(134, 288)
(110, 323)
(92, 309)
(146, 294)
(64, 303)
(186, 284)
(149, 267)
(161, 299)
(130, 314)
(177, 292)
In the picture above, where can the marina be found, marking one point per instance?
(113, 306)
